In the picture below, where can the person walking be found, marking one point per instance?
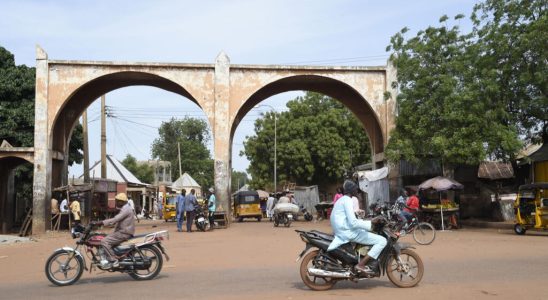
(270, 205)
(211, 205)
(180, 210)
(190, 205)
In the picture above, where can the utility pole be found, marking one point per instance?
(86, 146)
(103, 140)
(179, 156)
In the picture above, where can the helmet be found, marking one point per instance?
(350, 187)
(121, 197)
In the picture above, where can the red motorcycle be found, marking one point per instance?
(141, 260)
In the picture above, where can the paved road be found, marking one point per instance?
(257, 261)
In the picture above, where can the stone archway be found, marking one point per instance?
(225, 93)
(10, 159)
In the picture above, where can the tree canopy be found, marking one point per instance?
(318, 140)
(466, 97)
(193, 135)
(143, 172)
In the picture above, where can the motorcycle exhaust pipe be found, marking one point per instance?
(324, 273)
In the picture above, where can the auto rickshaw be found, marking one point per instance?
(169, 209)
(247, 205)
(531, 207)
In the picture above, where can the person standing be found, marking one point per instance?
(180, 210)
(211, 206)
(64, 206)
(75, 209)
(54, 206)
(270, 205)
(190, 205)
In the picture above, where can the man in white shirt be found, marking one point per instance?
(64, 206)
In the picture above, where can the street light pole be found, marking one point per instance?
(275, 143)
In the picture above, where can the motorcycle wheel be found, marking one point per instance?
(287, 222)
(409, 273)
(424, 233)
(308, 217)
(314, 282)
(62, 270)
(152, 253)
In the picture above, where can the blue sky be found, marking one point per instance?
(316, 32)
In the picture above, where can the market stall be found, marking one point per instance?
(446, 208)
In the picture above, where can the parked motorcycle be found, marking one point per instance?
(141, 261)
(320, 269)
(201, 220)
(306, 214)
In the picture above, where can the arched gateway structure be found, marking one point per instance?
(225, 92)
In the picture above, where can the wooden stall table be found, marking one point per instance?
(439, 213)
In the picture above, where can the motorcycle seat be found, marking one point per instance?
(119, 250)
(323, 235)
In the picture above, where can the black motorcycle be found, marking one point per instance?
(201, 220)
(320, 269)
(284, 218)
(306, 214)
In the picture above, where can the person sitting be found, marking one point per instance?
(125, 228)
(409, 209)
(347, 228)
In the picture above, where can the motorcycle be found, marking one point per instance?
(284, 218)
(201, 220)
(306, 214)
(141, 261)
(320, 269)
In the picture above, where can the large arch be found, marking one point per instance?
(324, 85)
(225, 93)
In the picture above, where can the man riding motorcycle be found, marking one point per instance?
(125, 228)
(347, 228)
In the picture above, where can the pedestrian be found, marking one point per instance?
(190, 205)
(270, 205)
(75, 209)
(54, 206)
(160, 204)
(180, 210)
(211, 205)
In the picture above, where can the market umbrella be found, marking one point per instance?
(440, 184)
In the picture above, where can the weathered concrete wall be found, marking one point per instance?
(223, 91)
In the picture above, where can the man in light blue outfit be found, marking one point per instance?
(348, 228)
(180, 210)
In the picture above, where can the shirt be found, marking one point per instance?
(75, 208)
(64, 206)
(180, 203)
(344, 223)
(54, 206)
(124, 220)
(190, 202)
(355, 203)
(211, 205)
(412, 202)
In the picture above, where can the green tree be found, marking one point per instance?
(192, 134)
(512, 43)
(318, 139)
(17, 91)
(238, 179)
(143, 172)
(442, 113)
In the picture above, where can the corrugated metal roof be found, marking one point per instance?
(495, 170)
(115, 171)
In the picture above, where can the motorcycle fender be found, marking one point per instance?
(76, 253)
(163, 251)
(308, 246)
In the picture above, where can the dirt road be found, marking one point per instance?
(253, 260)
